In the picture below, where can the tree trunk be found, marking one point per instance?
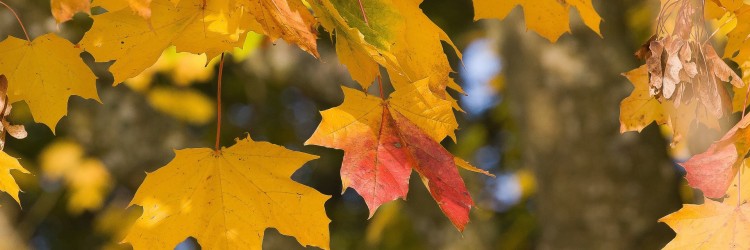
(597, 188)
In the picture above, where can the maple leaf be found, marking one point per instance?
(44, 74)
(287, 19)
(136, 44)
(382, 144)
(7, 183)
(63, 10)
(640, 109)
(227, 199)
(359, 46)
(712, 225)
(419, 49)
(712, 171)
(738, 46)
(404, 41)
(549, 18)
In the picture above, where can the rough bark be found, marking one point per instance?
(597, 188)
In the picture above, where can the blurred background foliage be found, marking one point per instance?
(85, 175)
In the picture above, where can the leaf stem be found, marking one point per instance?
(380, 85)
(17, 18)
(218, 104)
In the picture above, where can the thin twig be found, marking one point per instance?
(218, 104)
(380, 85)
(17, 18)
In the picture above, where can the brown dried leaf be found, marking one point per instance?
(719, 68)
(643, 52)
(655, 68)
(686, 52)
(673, 67)
(709, 95)
(17, 131)
(690, 70)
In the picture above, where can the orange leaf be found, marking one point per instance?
(381, 145)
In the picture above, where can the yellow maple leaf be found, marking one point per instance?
(394, 34)
(419, 50)
(359, 46)
(287, 19)
(640, 109)
(432, 114)
(712, 225)
(7, 183)
(136, 44)
(44, 74)
(63, 10)
(227, 199)
(549, 18)
(738, 46)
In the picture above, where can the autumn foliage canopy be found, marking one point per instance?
(225, 197)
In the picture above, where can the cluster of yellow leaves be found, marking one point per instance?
(7, 183)
(135, 44)
(227, 198)
(87, 179)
